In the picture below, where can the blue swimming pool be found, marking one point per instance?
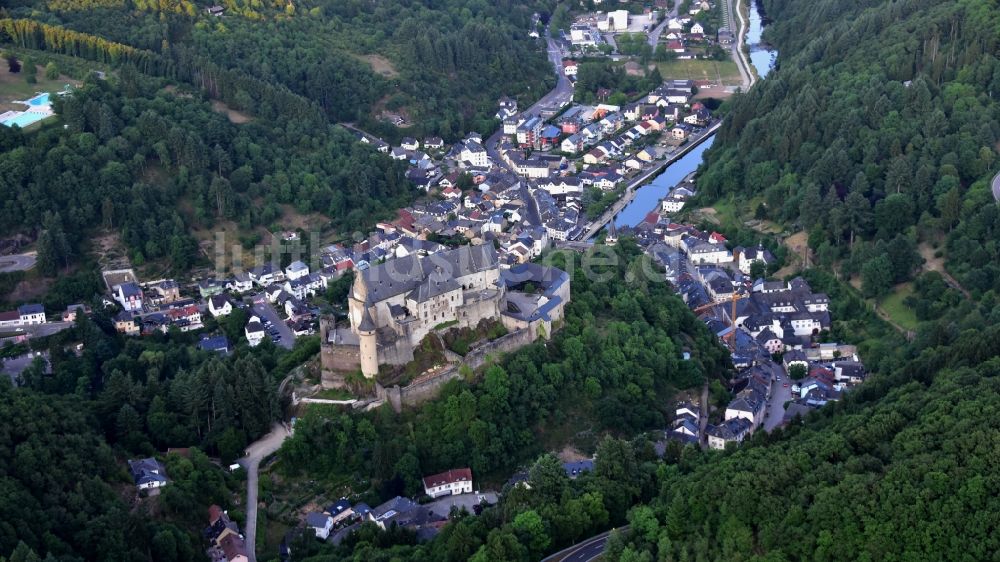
(40, 99)
(24, 119)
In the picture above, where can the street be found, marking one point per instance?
(256, 452)
(654, 34)
(18, 262)
(590, 549)
(267, 312)
(776, 403)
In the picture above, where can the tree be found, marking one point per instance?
(797, 372)
(13, 65)
(531, 532)
(876, 277)
(52, 71)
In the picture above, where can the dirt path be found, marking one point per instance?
(934, 263)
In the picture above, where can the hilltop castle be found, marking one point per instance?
(394, 305)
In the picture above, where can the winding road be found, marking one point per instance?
(996, 187)
(590, 549)
(256, 452)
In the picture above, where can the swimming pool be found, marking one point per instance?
(40, 99)
(24, 119)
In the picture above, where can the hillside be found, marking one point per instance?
(877, 132)
(442, 65)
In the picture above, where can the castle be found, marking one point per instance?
(394, 305)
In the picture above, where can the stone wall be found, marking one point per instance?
(428, 389)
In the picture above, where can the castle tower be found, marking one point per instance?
(369, 345)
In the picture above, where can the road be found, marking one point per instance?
(996, 187)
(18, 262)
(267, 312)
(592, 228)
(46, 329)
(742, 62)
(654, 34)
(703, 417)
(590, 549)
(560, 94)
(776, 403)
(256, 452)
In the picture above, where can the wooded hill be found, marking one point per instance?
(879, 125)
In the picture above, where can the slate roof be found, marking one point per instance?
(405, 274)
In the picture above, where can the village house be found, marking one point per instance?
(452, 482)
(254, 331)
(730, 431)
(148, 473)
(321, 524)
(129, 296)
(219, 305)
(125, 324)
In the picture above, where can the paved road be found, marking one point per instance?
(256, 452)
(654, 34)
(267, 312)
(996, 187)
(742, 62)
(776, 404)
(590, 549)
(47, 329)
(592, 228)
(18, 262)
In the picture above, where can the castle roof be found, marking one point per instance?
(405, 274)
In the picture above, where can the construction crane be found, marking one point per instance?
(732, 316)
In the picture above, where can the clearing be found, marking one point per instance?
(14, 88)
(898, 312)
(798, 246)
(719, 73)
(380, 65)
(237, 117)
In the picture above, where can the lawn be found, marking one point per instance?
(894, 306)
(718, 72)
(14, 88)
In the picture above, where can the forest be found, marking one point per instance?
(442, 65)
(876, 134)
(153, 164)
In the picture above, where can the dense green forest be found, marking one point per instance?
(152, 164)
(877, 132)
(69, 430)
(441, 64)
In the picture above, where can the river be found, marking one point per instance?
(762, 58)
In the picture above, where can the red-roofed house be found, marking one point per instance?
(716, 238)
(454, 481)
(451, 192)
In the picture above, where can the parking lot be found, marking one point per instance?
(277, 330)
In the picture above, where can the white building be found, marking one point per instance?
(452, 482)
(321, 524)
(254, 331)
(474, 154)
(219, 305)
(296, 270)
(129, 296)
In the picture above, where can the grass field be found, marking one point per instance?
(14, 88)
(718, 72)
(894, 306)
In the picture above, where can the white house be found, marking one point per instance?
(129, 296)
(219, 305)
(474, 154)
(454, 481)
(296, 270)
(730, 431)
(702, 252)
(409, 143)
(569, 67)
(29, 314)
(147, 473)
(240, 283)
(697, 28)
(674, 203)
(254, 331)
(321, 524)
(562, 186)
